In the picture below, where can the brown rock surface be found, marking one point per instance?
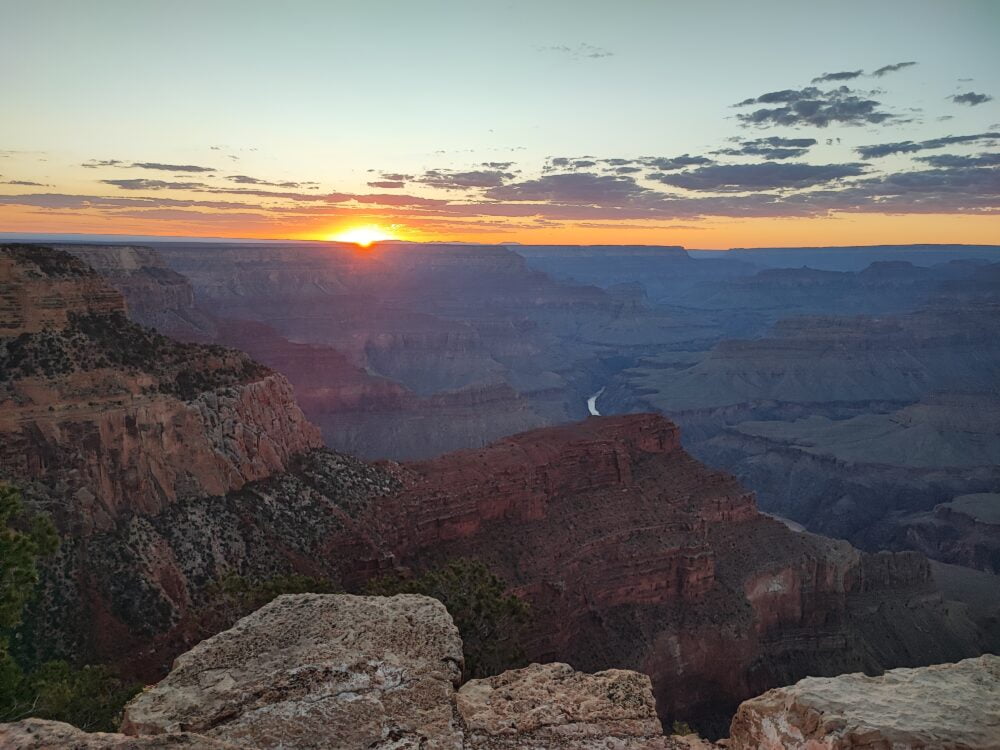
(41, 289)
(312, 671)
(554, 706)
(38, 734)
(944, 707)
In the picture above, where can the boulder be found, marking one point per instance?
(554, 706)
(317, 671)
(944, 707)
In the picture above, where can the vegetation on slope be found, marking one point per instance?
(91, 697)
(489, 620)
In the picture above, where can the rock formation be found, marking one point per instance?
(553, 706)
(964, 531)
(945, 707)
(850, 425)
(348, 672)
(870, 478)
(631, 554)
(156, 296)
(115, 419)
(311, 671)
(317, 671)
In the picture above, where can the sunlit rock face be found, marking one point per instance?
(947, 707)
(116, 419)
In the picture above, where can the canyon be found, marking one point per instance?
(407, 351)
(169, 466)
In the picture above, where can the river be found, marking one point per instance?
(592, 404)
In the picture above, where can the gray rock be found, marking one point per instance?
(943, 707)
(317, 671)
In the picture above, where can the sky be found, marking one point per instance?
(702, 123)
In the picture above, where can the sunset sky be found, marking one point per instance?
(706, 124)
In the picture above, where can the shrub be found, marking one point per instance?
(90, 697)
(490, 621)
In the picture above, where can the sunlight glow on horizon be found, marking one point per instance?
(363, 236)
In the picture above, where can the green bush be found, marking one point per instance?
(490, 621)
(90, 697)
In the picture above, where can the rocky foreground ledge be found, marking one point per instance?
(942, 707)
(383, 673)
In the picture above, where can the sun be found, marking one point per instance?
(363, 236)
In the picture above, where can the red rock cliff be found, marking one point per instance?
(117, 419)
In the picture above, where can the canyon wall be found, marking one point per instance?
(115, 419)
(630, 552)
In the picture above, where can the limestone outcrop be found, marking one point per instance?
(554, 706)
(944, 707)
(340, 671)
(317, 671)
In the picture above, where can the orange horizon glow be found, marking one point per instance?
(709, 233)
(363, 236)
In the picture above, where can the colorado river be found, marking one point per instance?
(592, 403)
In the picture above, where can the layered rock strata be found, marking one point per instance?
(116, 419)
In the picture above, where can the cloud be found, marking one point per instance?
(67, 201)
(844, 75)
(771, 148)
(885, 69)
(143, 184)
(573, 188)
(386, 184)
(447, 179)
(243, 179)
(879, 150)
(23, 183)
(953, 160)
(811, 106)
(667, 164)
(95, 163)
(765, 176)
(170, 167)
(971, 98)
(578, 51)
